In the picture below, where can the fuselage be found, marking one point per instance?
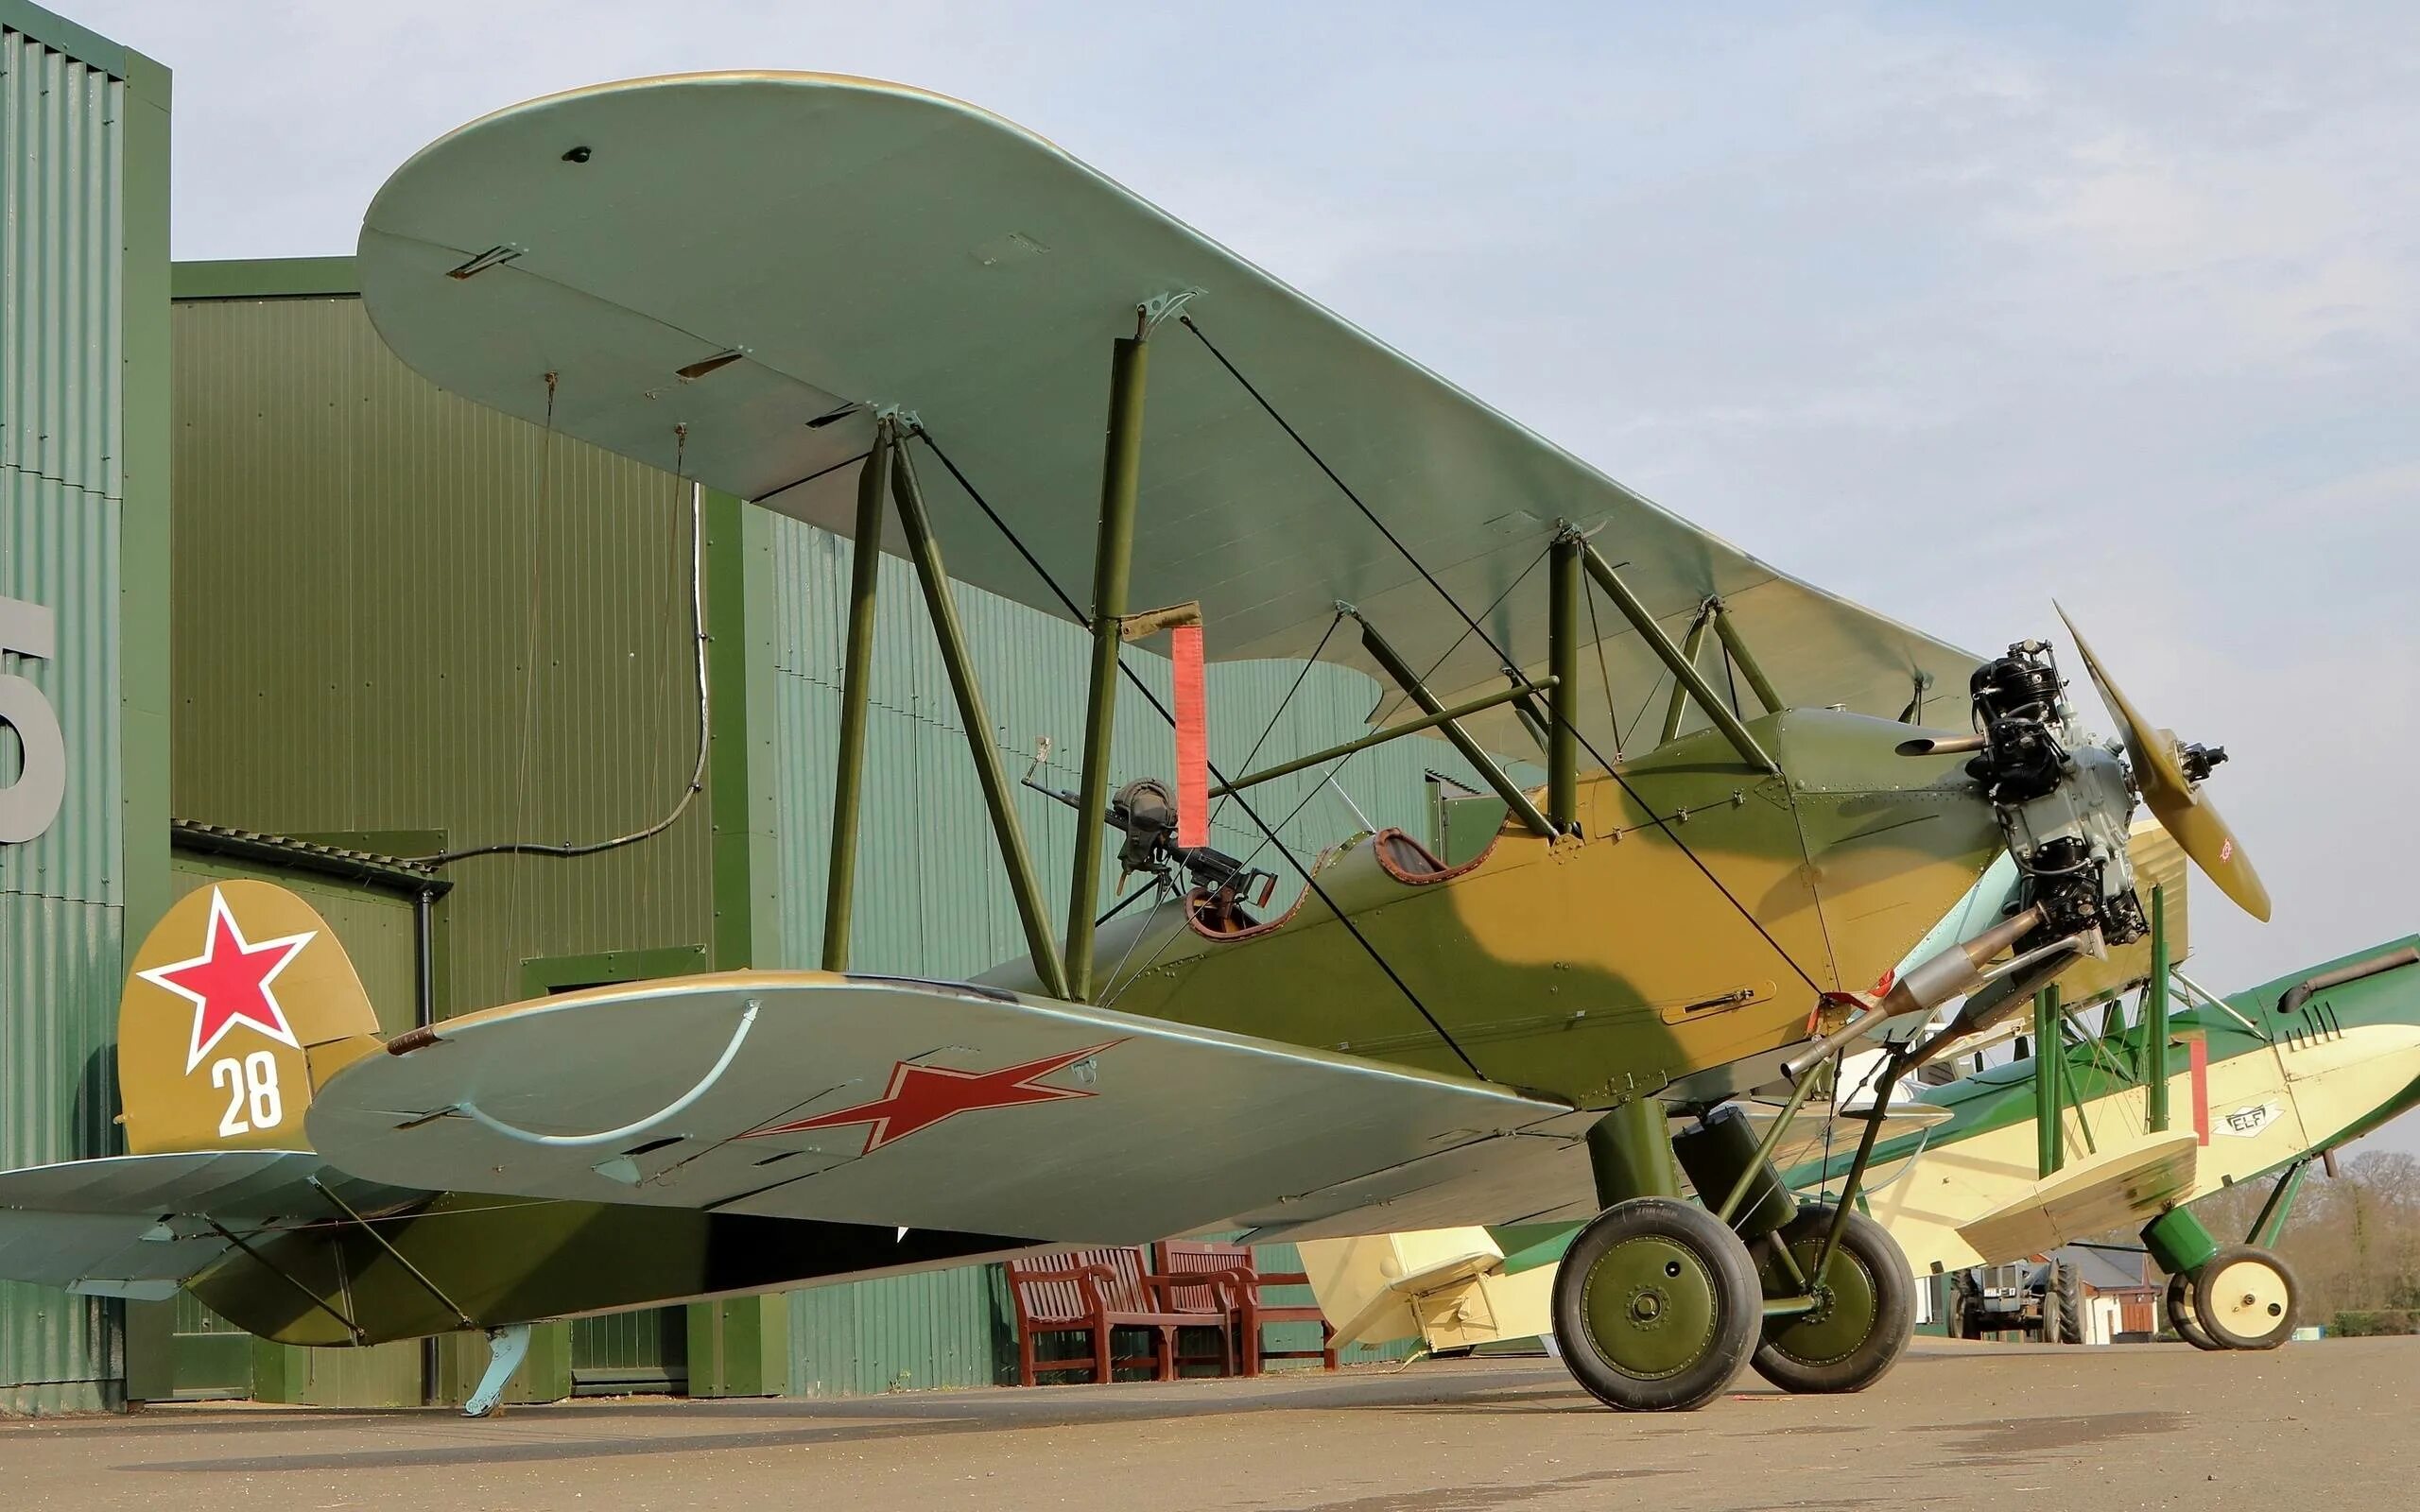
(1697, 919)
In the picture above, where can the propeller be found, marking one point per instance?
(2169, 776)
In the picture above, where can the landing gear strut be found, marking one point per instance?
(1659, 1301)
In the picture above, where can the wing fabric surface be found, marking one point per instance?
(2116, 1189)
(136, 1226)
(918, 251)
(939, 1106)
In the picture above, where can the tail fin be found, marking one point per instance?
(240, 1002)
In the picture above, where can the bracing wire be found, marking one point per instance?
(1605, 676)
(1279, 712)
(1660, 822)
(1134, 680)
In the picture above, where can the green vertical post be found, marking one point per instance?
(2049, 1059)
(2156, 1019)
(1563, 654)
(856, 686)
(1680, 704)
(999, 797)
(1121, 481)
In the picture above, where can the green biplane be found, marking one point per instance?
(901, 317)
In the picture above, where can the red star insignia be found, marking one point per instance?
(921, 1096)
(229, 982)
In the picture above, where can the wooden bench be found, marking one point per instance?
(1239, 1287)
(1096, 1292)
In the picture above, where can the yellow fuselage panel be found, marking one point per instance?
(1695, 920)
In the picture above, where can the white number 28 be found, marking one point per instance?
(251, 1089)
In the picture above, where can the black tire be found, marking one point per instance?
(2243, 1297)
(1656, 1305)
(2069, 1302)
(2181, 1315)
(1963, 1296)
(1869, 1312)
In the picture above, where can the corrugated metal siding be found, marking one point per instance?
(61, 313)
(935, 1330)
(930, 898)
(399, 611)
(61, 270)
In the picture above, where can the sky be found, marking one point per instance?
(1947, 308)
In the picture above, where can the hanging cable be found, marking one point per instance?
(1502, 657)
(1135, 681)
(705, 711)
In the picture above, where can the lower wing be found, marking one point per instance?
(938, 1105)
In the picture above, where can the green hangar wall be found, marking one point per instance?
(408, 624)
(83, 623)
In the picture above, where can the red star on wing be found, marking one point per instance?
(228, 984)
(921, 1096)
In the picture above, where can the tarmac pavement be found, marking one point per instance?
(2309, 1427)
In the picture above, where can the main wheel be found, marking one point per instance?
(2244, 1299)
(1865, 1308)
(2182, 1317)
(1656, 1305)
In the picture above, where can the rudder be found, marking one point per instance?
(240, 1002)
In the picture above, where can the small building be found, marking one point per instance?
(2121, 1300)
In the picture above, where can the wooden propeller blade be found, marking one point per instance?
(2182, 810)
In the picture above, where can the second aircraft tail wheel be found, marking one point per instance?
(2181, 1315)
(1865, 1306)
(1657, 1305)
(2244, 1299)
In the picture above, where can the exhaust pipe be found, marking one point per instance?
(1930, 983)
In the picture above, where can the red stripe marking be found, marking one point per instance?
(2197, 1054)
(1192, 739)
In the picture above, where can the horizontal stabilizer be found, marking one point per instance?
(936, 1105)
(138, 1225)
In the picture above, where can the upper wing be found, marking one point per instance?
(937, 1105)
(137, 1226)
(853, 244)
